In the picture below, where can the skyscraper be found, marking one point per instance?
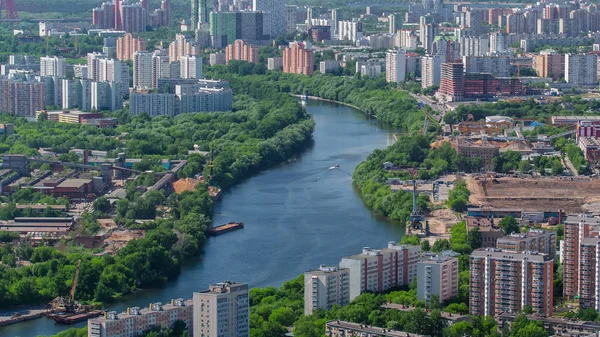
(275, 21)
(201, 10)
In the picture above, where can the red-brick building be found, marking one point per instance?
(298, 60)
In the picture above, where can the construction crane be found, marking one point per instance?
(68, 304)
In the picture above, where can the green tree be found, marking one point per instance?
(410, 240)
(509, 225)
(425, 245)
(102, 205)
(474, 238)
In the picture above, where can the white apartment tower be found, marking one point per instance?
(53, 66)
(222, 310)
(109, 70)
(380, 270)
(349, 30)
(581, 69)
(431, 70)
(438, 275)
(161, 67)
(142, 70)
(325, 287)
(191, 66)
(395, 61)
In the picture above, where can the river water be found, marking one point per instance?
(298, 215)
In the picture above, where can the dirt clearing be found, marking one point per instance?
(531, 194)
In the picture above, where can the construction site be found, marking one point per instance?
(571, 194)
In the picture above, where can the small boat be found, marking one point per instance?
(335, 167)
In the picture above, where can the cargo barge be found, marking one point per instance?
(76, 318)
(228, 227)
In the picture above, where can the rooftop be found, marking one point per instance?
(73, 183)
(153, 307)
(531, 234)
(505, 255)
(369, 330)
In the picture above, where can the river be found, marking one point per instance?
(298, 215)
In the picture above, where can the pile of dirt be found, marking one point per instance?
(186, 184)
(441, 221)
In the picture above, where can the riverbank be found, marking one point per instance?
(317, 98)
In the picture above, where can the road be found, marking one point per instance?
(439, 108)
(570, 166)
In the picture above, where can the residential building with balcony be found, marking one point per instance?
(222, 310)
(326, 287)
(577, 228)
(380, 270)
(438, 275)
(505, 282)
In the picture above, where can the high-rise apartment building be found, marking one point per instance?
(222, 310)
(504, 282)
(142, 70)
(201, 10)
(53, 66)
(275, 18)
(127, 45)
(438, 275)
(153, 104)
(133, 18)
(326, 287)
(380, 270)
(298, 60)
(76, 93)
(536, 240)
(589, 273)
(191, 66)
(431, 70)
(105, 96)
(136, 321)
(182, 47)
(109, 70)
(349, 30)
(223, 28)
(241, 50)
(577, 228)
(452, 81)
(161, 66)
(22, 98)
(407, 39)
(395, 61)
(549, 64)
(581, 70)
(497, 65)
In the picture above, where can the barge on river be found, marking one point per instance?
(60, 318)
(228, 227)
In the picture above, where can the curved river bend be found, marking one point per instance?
(298, 215)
